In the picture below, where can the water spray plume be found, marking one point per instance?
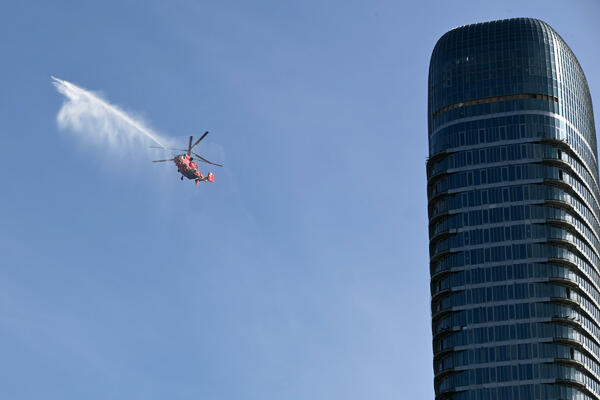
(87, 114)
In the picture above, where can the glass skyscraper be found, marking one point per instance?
(513, 202)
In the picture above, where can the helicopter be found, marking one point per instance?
(185, 162)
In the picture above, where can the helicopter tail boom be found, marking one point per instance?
(210, 177)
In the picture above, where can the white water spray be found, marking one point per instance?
(90, 116)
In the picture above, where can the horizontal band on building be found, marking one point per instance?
(494, 99)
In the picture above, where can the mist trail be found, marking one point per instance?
(90, 116)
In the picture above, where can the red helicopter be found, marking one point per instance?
(186, 165)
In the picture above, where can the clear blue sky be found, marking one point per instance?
(303, 272)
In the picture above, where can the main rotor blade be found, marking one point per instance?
(205, 160)
(162, 160)
(190, 145)
(198, 141)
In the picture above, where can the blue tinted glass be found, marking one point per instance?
(514, 216)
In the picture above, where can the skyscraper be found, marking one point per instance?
(513, 216)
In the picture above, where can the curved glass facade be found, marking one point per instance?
(514, 216)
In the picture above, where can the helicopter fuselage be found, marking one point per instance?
(187, 167)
